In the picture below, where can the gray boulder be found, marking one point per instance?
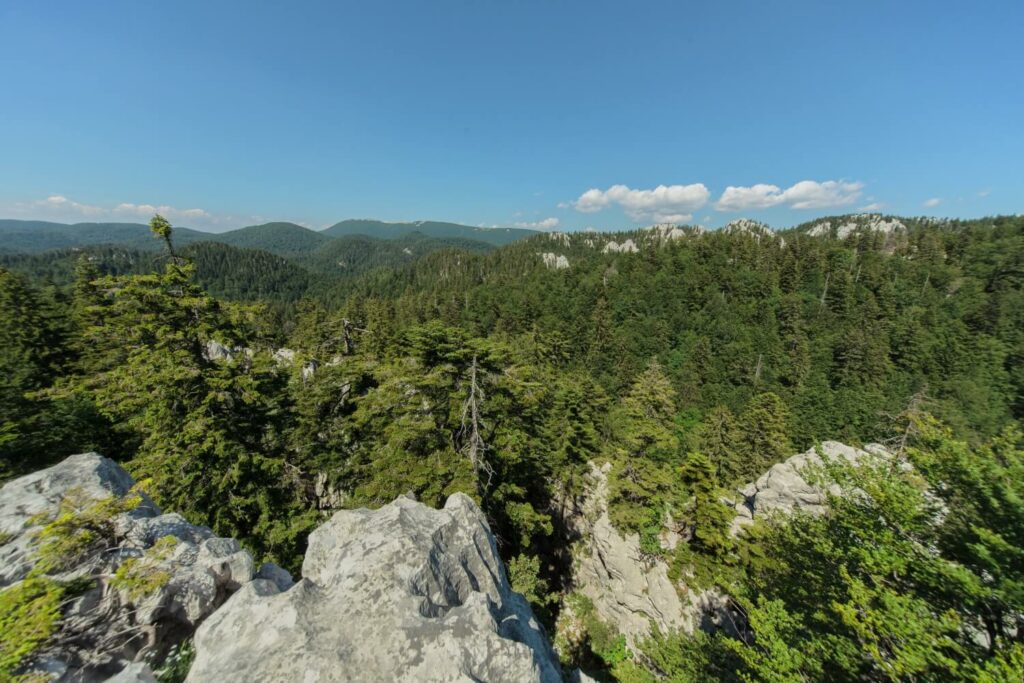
(108, 626)
(784, 488)
(405, 592)
(26, 500)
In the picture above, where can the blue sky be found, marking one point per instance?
(555, 113)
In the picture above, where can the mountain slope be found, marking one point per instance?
(380, 229)
(354, 254)
(282, 238)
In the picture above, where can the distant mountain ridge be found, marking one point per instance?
(438, 229)
(280, 237)
(36, 236)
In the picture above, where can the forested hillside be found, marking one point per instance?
(283, 239)
(284, 270)
(437, 229)
(685, 363)
(225, 271)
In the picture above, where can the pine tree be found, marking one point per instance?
(573, 433)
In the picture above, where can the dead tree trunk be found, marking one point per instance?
(473, 445)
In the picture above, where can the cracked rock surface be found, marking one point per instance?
(404, 592)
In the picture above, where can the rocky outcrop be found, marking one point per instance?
(400, 593)
(864, 222)
(668, 232)
(629, 589)
(554, 261)
(755, 229)
(784, 488)
(626, 247)
(188, 572)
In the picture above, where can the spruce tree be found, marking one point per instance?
(705, 515)
(764, 433)
(721, 440)
(644, 452)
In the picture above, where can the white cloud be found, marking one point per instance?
(662, 204)
(168, 212)
(759, 196)
(546, 224)
(932, 203)
(984, 193)
(806, 194)
(873, 206)
(62, 203)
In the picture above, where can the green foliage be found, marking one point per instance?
(677, 658)
(524, 575)
(764, 435)
(773, 657)
(139, 577)
(700, 363)
(434, 229)
(885, 587)
(582, 637)
(644, 451)
(82, 528)
(34, 351)
(176, 665)
(199, 425)
(29, 614)
(706, 517)
(722, 441)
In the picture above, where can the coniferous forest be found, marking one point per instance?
(256, 390)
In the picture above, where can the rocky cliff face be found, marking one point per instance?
(628, 589)
(400, 593)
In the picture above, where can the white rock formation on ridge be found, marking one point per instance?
(783, 487)
(400, 593)
(106, 626)
(554, 261)
(626, 247)
(631, 591)
(868, 222)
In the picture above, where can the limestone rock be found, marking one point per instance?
(24, 500)
(400, 593)
(269, 571)
(136, 672)
(629, 590)
(627, 247)
(108, 626)
(755, 229)
(554, 261)
(784, 489)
